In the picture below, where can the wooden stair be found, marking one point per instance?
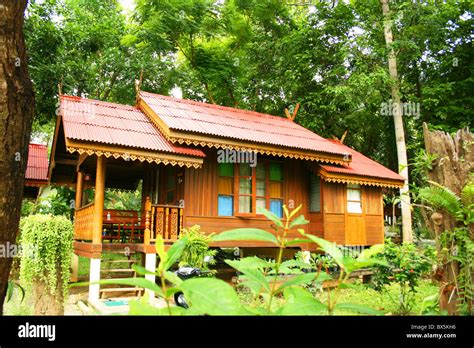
(125, 272)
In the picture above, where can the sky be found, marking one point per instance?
(128, 5)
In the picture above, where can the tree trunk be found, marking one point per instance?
(16, 116)
(451, 169)
(45, 303)
(399, 131)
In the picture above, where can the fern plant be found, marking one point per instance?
(456, 245)
(196, 252)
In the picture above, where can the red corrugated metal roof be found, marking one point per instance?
(114, 124)
(37, 167)
(361, 166)
(191, 116)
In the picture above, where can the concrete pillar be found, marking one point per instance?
(150, 265)
(94, 276)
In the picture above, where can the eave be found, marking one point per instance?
(133, 154)
(358, 179)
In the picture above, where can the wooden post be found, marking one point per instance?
(147, 233)
(75, 267)
(99, 200)
(79, 189)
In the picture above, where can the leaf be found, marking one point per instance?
(270, 216)
(251, 262)
(353, 307)
(246, 234)
(140, 282)
(296, 241)
(329, 248)
(175, 252)
(372, 251)
(300, 220)
(352, 265)
(256, 276)
(141, 270)
(171, 291)
(160, 249)
(295, 211)
(212, 296)
(173, 278)
(304, 279)
(300, 301)
(142, 308)
(9, 294)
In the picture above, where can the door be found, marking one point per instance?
(173, 186)
(355, 230)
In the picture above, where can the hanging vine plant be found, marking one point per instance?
(46, 260)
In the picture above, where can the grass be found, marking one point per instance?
(386, 301)
(363, 295)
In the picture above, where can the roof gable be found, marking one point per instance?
(120, 131)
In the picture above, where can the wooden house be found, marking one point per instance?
(208, 165)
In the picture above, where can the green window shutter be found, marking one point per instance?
(315, 193)
(226, 169)
(276, 172)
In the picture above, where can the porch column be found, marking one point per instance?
(150, 265)
(99, 200)
(78, 204)
(79, 189)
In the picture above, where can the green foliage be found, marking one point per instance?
(196, 249)
(267, 281)
(456, 245)
(124, 200)
(49, 242)
(405, 266)
(442, 198)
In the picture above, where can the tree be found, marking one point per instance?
(16, 117)
(399, 129)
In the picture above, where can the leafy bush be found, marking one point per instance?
(272, 291)
(406, 265)
(197, 249)
(47, 263)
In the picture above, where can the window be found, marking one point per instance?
(354, 201)
(225, 202)
(276, 189)
(314, 193)
(261, 192)
(245, 180)
(255, 187)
